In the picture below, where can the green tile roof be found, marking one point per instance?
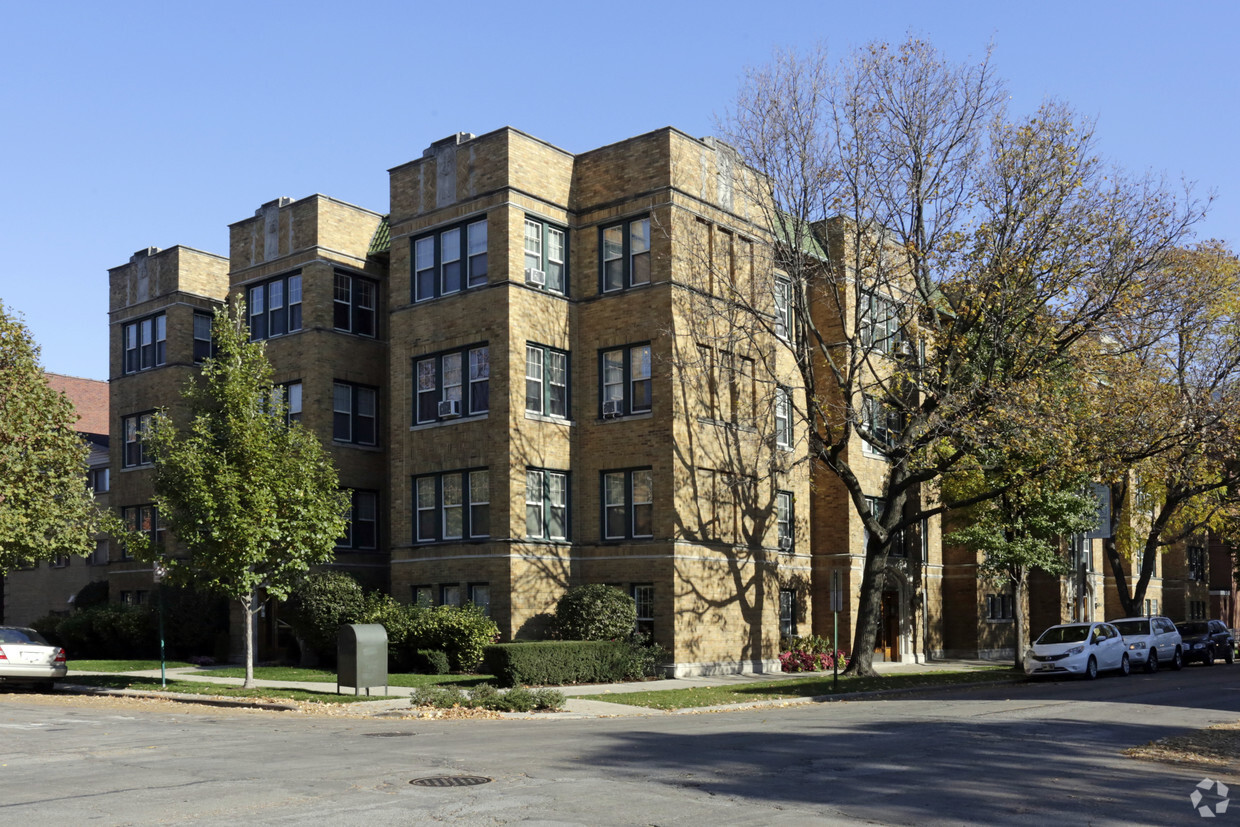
(381, 241)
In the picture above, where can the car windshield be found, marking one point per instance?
(11, 635)
(1198, 628)
(1064, 634)
(1133, 627)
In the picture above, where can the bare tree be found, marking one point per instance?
(929, 260)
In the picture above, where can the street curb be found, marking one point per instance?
(180, 697)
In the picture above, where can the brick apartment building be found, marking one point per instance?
(508, 372)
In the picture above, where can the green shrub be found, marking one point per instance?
(812, 644)
(557, 662)
(113, 630)
(485, 696)
(49, 627)
(192, 621)
(94, 593)
(548, 699)
(430, 662)
(459, 632)
(319, 606)
(595, 612)
(440, 697)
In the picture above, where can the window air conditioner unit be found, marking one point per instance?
(785, 542)
(449, 409)
(612, 408)
(904, 348)
(535, 276)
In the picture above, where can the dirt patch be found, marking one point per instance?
(1217, 747)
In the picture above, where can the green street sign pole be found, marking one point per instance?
(159, 584)
(835, 658)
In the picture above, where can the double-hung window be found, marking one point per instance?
(146, 343)
(546, 381)
(880, 322)
(784, 322)
(362, 529)
(134, 428)
(274, 307)
(625, 255)
(625, 386)
(99, 480)
(452, 384)
(783, 419)
(450, 261)
(354, 413)
(353, 304)
(454, 505)
(546, 504)
(203, 347)
(628, 504)
(883, 424)
(292, 400)
(643, 600)
(480, 596)
(783, 518)
(546, 257)
(787, 612)
(142, 519)
(1196, 563)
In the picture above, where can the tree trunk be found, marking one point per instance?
(869, 608)
(247, 606)
(1020, 624)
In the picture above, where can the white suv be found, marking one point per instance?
(1151, 641)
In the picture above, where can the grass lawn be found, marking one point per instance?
(813, 685)
(195, 688)
(122, 665)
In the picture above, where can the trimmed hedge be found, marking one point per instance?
(557, 662)
(595, 612)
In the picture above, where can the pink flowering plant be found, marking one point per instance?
(810, 654)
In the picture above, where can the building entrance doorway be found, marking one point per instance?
(887, 643)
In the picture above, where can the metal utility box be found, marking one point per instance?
(361, 657)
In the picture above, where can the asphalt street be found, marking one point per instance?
(1016, 754)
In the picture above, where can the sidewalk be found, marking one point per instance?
(595, 706)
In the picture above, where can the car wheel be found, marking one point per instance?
(1177, 661)
(1151, 664)
(1208, 660)
(1230, 657)
(1091, 669)
(1125, 666)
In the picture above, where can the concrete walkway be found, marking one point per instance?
(596, 705)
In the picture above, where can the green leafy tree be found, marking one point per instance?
(595, 612)
(46, 508)
(252, 499)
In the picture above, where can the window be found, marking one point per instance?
(133, 598)
(422, 595)
(878, 508)
(784, 322)
(1196, 563)
(99, 480)
(60, 561)
(998, 607)
(628, 504)
(450, 261)
(145, 519)
(546, 381)
(1151, 607)
(883, 424)
(625, 254)
(783, 518)
(450, 595)
(546, 504)
(146, 343)
(787, 612)
(625, 383)
(444, 391)
(879, 322)
(354, 414)
(783, 419)
(353, 304)
(292, 398)
(204, 347)
(99, 557)
(546, 257)
(454, 505)
(275, 307)
(134, 428)
(643, 599)
(361, 531)
(480, 596)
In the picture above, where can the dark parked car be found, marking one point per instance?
(1205, 640)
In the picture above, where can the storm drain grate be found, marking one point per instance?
(450, 781)
(388, 734)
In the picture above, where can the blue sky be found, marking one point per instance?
(134, 124)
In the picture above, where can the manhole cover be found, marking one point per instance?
(388, 734)
(450, 781)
